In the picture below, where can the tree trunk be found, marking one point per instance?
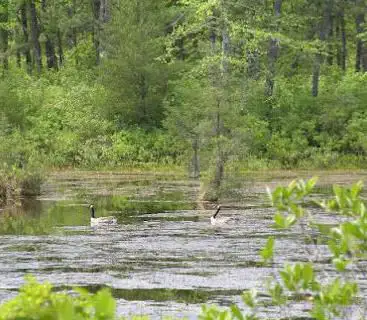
(214, 75)
(330, 54)
(49, 46)
(324, 31)
(273, 52)
(71, 34)
(361, 50)
(60, 49)
(97, 4)
(19, 59)
(104, 12)
(195, 161)
(4, 16)
(35, 33)
(26, 50)
(50, 54)
(316, 75)
(343, 39)
(220, 154)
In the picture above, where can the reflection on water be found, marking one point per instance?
(164, 257)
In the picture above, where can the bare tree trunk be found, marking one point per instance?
(26, 50)
(35, 32)
(4, 16)
(273, 52)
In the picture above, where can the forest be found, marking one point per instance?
(92, 91)
(205, 85)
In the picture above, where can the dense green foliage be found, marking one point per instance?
(328, 297)
(93, 83)
(38, 301)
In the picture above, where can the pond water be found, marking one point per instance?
(164, 257)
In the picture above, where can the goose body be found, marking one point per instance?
(214, 220)
(101, 221)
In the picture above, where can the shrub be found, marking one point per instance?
(38, 301)
(15, 182)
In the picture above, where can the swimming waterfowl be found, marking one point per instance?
(218, 221)
(101, 221)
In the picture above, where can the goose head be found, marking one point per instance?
(92, 211)
(213, 217)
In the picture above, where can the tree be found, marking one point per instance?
(324, 30)
(35, 34)
(49, 44)
(137, 81)
(273, 52)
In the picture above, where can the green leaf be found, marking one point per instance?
(268, 251)
(277, 294)
(290, 220)
(279, 220)
(311, 183)
(249, 298)
(340, 264)
(105, 305)
(308, 272)
(236, 312)
(356, 189)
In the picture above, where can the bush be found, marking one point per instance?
(15, 182)
(38, 301)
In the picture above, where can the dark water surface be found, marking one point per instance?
(164, 257)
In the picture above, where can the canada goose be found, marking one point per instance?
(217, 221)
(101, 221)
